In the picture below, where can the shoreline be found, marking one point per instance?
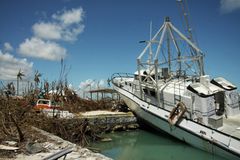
(46, 143)
(56, 144)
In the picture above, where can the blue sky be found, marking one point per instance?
(97, 38)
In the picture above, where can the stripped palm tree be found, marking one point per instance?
(19, 77)
(37, 78)
(46, 86)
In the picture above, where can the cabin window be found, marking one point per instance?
(125, 83)
(130, 84)
(153, 93)
(143, 77)
(136, 77)
(153, 77)
(145, 90)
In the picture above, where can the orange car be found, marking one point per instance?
(46, 104)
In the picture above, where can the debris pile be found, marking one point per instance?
(19, 113)
(17, 116)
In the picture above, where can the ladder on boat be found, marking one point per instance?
(177, 96)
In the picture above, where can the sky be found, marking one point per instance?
(98, 38)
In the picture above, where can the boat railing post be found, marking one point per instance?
(201, 65)
(156, 78)
(192, 105)
(139, 76)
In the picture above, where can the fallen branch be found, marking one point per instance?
(20, 134)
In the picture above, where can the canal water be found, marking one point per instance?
(149, 145)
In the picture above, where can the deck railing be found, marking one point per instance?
(121, 75)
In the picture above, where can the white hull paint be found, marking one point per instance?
(191, 132)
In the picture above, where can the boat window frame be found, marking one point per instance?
(152, 93)
(145, 90)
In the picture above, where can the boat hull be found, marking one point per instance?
(160, 123)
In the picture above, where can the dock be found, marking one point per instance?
(110, 120)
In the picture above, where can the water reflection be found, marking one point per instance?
(143, 145)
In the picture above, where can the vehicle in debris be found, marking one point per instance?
(46, 104)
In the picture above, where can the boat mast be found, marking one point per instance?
(169, 52)
(186, 14)
(150, 49)
(169, 32)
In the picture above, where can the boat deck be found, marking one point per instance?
(231, 126)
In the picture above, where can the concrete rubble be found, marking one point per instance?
(112, 120)
(56, 144)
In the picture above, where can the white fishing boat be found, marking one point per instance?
(171, 92)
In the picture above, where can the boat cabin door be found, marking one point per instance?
(219, 102)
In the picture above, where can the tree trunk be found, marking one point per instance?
(17, 86)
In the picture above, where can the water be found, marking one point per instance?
(149, 145)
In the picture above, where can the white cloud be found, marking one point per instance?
(66, 26)
(90, 84)
(50, 31)
(63, 26)
(102, 83)
(36, 47)
(71, 34)
(70, 86)
(8, 47)
(10, 66)
(85, 85)
(69, 17)
(227, 6)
